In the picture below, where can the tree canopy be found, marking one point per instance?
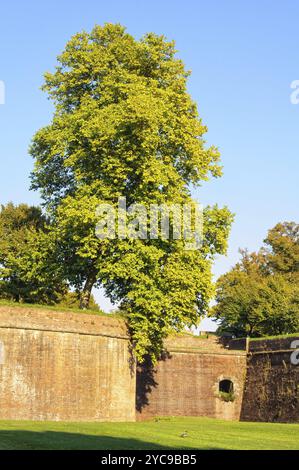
(282, 249)
(260, 295)
(125, 126)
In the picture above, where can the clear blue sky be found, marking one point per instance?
(243, 56)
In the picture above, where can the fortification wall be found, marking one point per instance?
(272, 382)
(78, 367)
(64, 366)
(186, 381)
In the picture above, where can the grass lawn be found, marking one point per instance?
(165, 433)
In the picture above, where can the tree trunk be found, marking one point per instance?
(86, 293)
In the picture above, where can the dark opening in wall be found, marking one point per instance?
(226, 386)
(226, 390)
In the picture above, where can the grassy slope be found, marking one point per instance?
(203, 433)
(286, 335)
(58, 308)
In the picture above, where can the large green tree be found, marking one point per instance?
(125, 126)
(260, 295)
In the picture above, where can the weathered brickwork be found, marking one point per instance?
(272, 382)
(186, 382)
(64, 366)
(78, 367)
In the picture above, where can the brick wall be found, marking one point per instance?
(64, 366)
(272, 382)
(186, 381)
(71, 366)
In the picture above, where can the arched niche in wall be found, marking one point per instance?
(226, 386)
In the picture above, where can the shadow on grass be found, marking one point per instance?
(52, 440)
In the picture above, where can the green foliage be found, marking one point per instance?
(25, 254)
(71, 300)
(282, 252)
(124, 125)
(260, 295)
(227, 396)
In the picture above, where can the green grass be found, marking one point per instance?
(286, 335)
(165, 433)
(58, 308)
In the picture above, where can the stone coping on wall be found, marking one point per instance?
(197, 344)
(67, 322)
(278, 344)
(32, 318)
